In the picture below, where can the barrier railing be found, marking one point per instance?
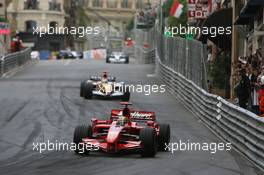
(14, 60)
(243, 129)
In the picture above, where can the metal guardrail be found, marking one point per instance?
(231, 123)
(14, 60)
(180, 65)
(146, 56)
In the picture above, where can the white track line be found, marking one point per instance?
(67, 62)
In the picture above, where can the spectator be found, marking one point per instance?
(16, 44)
(251, 76)
(261, 97)
(242, 90)
(254, 91)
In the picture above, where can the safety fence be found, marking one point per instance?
(14, 60)
(231, 123)
(145, 46)
(184, 56)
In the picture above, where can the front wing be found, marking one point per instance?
(116, 147)
(114, 94)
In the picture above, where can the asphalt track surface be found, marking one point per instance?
(42, 103)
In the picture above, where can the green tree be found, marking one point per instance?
(130, 25)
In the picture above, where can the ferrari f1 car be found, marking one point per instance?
(126, 130)
(117, 57)
(105, 86)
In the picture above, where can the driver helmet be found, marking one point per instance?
(105, 77)
(122, 120)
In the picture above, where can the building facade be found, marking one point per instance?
(4, 39)
(28, 14)
(112, 16)
(250, 24)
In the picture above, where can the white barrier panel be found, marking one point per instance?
(95, 54)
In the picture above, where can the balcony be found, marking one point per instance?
(54, 6)
(31, 5)
(247, 13)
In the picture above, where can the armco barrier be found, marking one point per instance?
(231, 123)
(14, 60)
(147, 56)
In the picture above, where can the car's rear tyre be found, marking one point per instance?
(88, 90)
(127, 60)
(81, 132)
(148, 139)
(82, 88)
(126, 96)
(164, 136)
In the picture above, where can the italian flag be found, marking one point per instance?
(176, 9)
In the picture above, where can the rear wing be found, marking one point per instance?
(135, 115)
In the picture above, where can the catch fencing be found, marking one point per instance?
(145, 46)
(14, 60)
(184, 56)
(231, 123)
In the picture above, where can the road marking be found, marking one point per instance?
(67, 62)
(151, 75)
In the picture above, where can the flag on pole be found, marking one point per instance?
(176, 9)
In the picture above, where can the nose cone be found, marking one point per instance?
(113, 134)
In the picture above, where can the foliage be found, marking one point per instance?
(3, 20)
(220, 71)
(130, 25)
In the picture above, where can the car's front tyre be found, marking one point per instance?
(82, 88)
(164, 136)
(148, 138)
(81, 132)
(88, 90)
(107, 60)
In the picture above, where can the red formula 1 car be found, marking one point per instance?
(126, 129)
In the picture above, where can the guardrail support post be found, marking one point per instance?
(2, 65)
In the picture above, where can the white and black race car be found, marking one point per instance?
(104, 86)
(117, 57)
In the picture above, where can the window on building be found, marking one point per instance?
(111, 4)
(30, 25)
(140, 4)
(31, 5)
(259, 17)
(53, 25)
(54, 5)
(125, 4)
(97, 3)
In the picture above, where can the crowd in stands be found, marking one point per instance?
(250, 87)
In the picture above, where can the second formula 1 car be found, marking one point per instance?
(117, 57)
(126, 130)
(104, 86)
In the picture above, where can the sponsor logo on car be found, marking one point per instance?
(144, 116)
